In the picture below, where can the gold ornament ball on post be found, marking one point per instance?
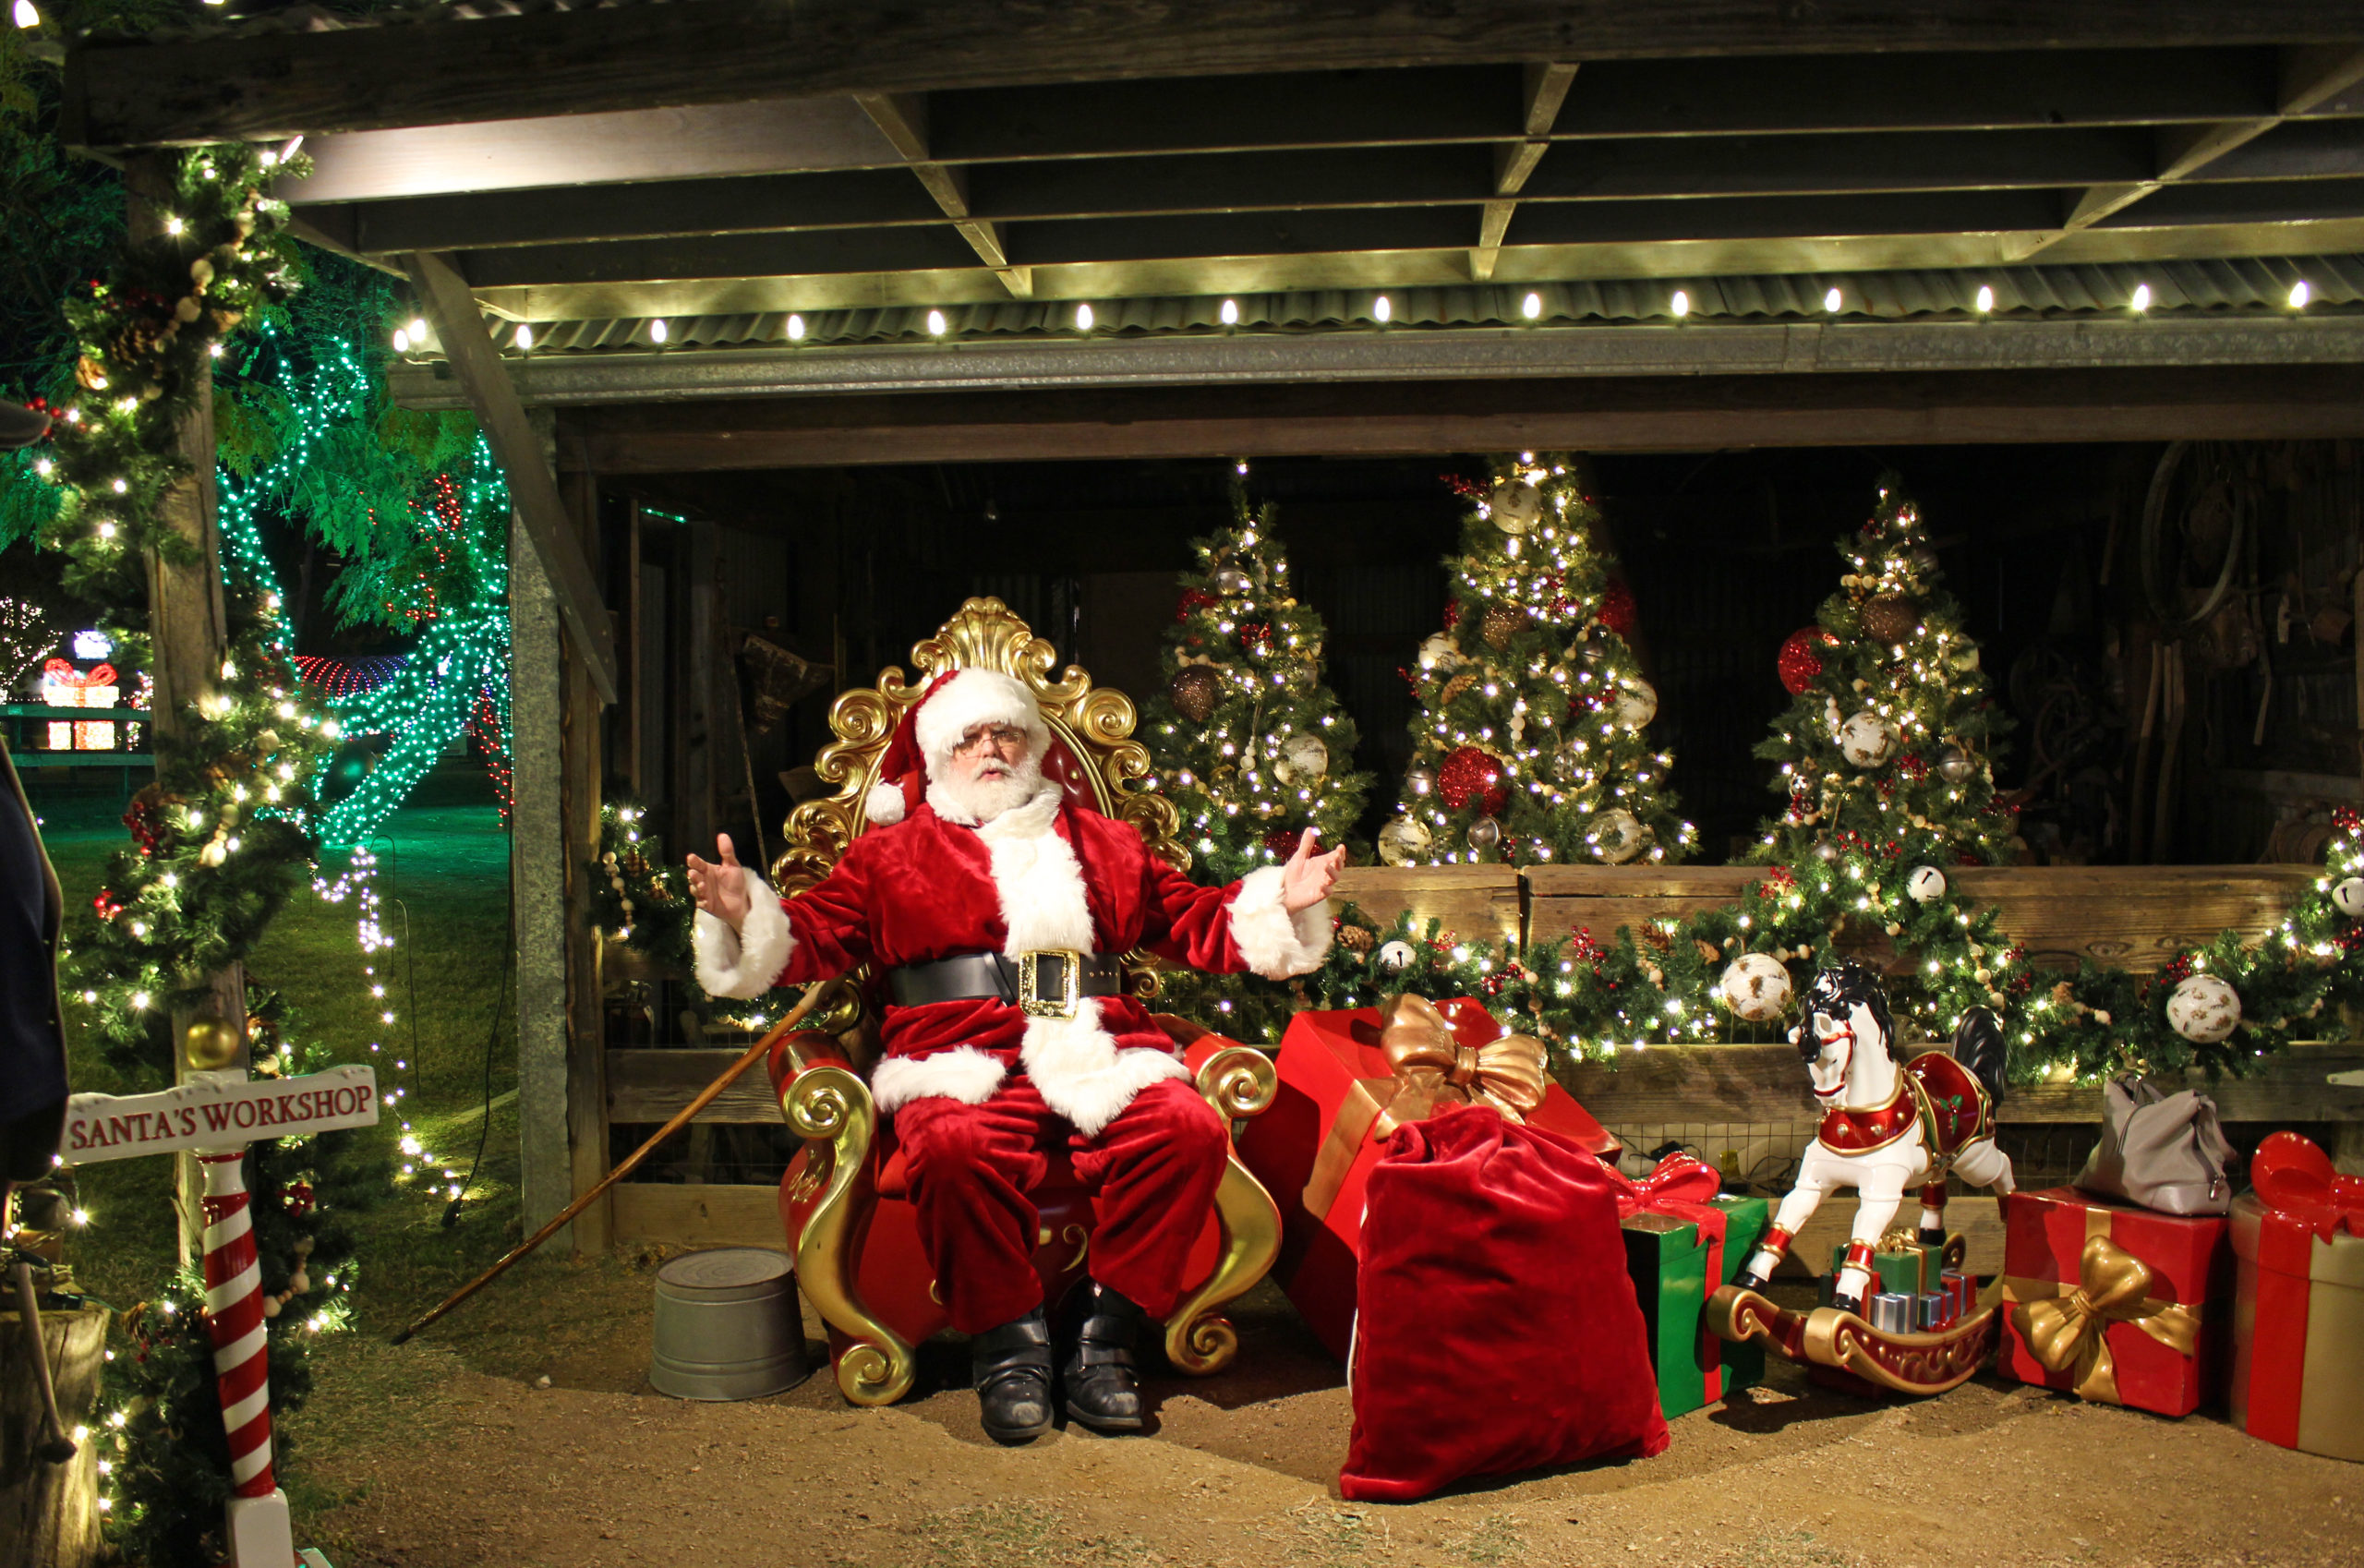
(210, 1044)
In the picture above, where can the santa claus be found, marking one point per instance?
(992, 906)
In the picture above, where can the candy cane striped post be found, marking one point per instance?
(261, 1533)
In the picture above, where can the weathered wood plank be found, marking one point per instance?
(2133, 917)
(49, 1514)
(645, 1087)
(700, 1215)
(1764, 1083)
(1472, 900)
(273, 84)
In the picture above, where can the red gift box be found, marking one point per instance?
(1340, 1098)
(2117, 1305)
(2299, 1314)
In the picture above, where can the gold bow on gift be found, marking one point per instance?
(1431, 1067)
(2069, 1333)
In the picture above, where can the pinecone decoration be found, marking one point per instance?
(1499, 624)
(138, 341)
(1455, 686)
(1355, 938)
(90, 374)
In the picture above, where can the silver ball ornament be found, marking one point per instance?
(1419, 782)
(1484, 833)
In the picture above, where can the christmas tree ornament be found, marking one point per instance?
(1567, 763)
(2348, 898)
(1889, 617)
(1826, 851)
(1618, 610)
(1419, 781)
(1471, 777)
(1403, 842)
(1867, 739)
(1755, 986)
(1307, 757)
(210, 1044)
(1484, 833)
(1499, 624)
(2204, 1008)
(1440, 653)
(1233, 581)
(1355, 938)
(1799, 661)
(1964, 659)
(1618, 835)
(1194, 692)
(1392, 957)
(1516, 505)
(1926, 885)
(1921, 559)
(1636, 703)
(1953, 764)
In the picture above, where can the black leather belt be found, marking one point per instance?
(1045, 984)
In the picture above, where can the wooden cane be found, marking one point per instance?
(631, 1161)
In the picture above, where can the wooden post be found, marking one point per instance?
(49, 1514)
(189, 631)
(579, 776)
(538, 875)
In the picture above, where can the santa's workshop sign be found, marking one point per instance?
(214, 1113)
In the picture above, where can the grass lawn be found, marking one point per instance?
(443, 881)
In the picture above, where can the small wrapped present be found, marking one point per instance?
(2298, 1310)
(1349, 1079)
(2116, 1305)
(1681, 1241)
(1899, 1265)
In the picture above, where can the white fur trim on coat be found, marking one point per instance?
(963, 1073)
(744, 963)
(1275, 943)
(970, 698)
(1075, 1063)
(883, 807)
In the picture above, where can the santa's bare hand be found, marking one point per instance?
(720, 891)
(1308, 877)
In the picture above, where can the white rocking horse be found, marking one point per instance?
(1885, 1127)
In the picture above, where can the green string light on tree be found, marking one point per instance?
(1532, 745)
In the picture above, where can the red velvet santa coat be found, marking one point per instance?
(1042, 876)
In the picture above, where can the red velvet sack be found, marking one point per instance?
(1496, 1329)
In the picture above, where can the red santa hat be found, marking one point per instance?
(931, 729)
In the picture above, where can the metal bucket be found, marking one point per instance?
(727, 1326)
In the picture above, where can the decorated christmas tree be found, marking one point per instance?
(1532, 743)
(1249, 744)
(1889, 748)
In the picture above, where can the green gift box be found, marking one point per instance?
(1674, 1269)
(1912, 1271)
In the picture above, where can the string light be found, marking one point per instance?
(1082, 318)
(1985, 299)
(935, 323)
(1531, 307)
(1680, 305)
(1380, 310)
(2141, 300)
(1230, 313)
(2299, 293)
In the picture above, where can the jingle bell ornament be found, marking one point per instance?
(1232, 580)
(1636, 704)
(1755, 986)
(1307, 757)
(1403, 842)
(1392, 957)
(1517, 506)
(1866, 739)
(1953, 763)
(1617, 836)
(2204, 1008)
(1419, 781)
(1926, 885)
(1484, 833)
(2348, 898)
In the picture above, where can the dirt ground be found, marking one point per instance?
(451, 1452)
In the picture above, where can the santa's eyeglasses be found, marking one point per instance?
(1007, 739)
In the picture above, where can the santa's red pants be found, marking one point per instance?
(972, 1167)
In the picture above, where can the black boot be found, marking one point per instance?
(1934, 1240)
(1011, 1368)
(1102, 1389)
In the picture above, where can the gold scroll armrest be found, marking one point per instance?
(831, 1108)
(1237, 1081)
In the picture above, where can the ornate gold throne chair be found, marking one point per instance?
(844, 1198)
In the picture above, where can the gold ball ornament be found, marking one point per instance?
(1617, 836)
(1499, 624)
(1517, 506)
(1890, 618)
(210, 1044)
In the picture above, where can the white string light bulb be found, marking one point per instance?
(1985, 299)
(2141, 300)
(2300, 295)
(1083, 318)
(1680, 305)
(795, 329)
(1381, 311)
(657, 330)
(524, 336)
(935, 323)
(1833, 300)
(1531, 307)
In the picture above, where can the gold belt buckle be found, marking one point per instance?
(1061, 1005)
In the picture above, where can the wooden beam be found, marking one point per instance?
(903, 117)
(2310, 78)
(699, 1213)
(443, 294)
(808, 253)
(1543, 88)
(448, 72)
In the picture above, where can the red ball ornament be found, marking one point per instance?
(1192, 599)
(1468, 777)
(1799, 663)
(1618, 610)
(1282, 841)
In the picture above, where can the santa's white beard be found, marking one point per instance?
(998, 787)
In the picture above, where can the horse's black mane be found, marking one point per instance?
(1845, 985)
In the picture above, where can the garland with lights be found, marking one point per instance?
(1531, 743)
(1891, 737)
(1247, 741)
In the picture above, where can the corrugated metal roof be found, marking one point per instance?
(2249, 284)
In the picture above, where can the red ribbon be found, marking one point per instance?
(58, 672)
(2295, 1179)
(1679, 1186)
